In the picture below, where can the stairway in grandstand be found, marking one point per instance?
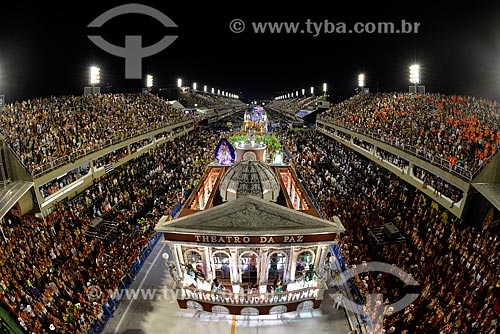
(382, 235)
(102, 229)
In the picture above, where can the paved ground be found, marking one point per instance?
(154, 310)
(11, 323)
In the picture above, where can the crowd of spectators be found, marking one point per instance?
(363, 144)
(207, 100)
(457, 132)
(440, 186)
(57, 184)
(111, 157)
(292, 105)
(392, 158)
(134, 147)
(43, 130)
(48, 264)
(344, 136)
(455, 264)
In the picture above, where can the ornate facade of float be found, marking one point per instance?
(248, 239)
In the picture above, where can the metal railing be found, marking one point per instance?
(269, 298)
(353, 288)
(460, 171)
(78, 154)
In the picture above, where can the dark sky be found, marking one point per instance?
(45, 51)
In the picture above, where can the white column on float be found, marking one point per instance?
(180, 257)
(293, 262)
(322, 260)
(208, 263)
(176, 258)
(317, 257)
(263, 265)
(235, 275)
(286, 270)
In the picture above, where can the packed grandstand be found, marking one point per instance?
(462, 130)
(48, 263)
(49, 131)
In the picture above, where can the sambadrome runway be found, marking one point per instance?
(149, 309)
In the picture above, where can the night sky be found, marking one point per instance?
(45, 50)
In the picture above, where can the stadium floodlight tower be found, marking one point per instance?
(149, 84)
(415, 74)
(94, 79)
(149, 81)
(361, 83)
(95, 75)
(415, 79)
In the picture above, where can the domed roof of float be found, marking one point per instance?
(249, 177)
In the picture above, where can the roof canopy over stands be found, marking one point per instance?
(491, 191)
(11, 194)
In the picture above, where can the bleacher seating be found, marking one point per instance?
(199, 99)
(98, 239)
(453, 262)
(460, 133)
(292, 105)
(49, 132)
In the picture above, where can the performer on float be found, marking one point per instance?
(217, 286)
(278, 284)
(310, 274)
